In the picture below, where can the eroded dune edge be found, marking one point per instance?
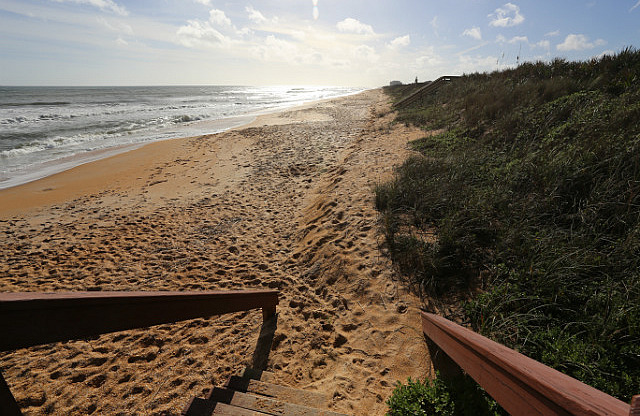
(285, 203)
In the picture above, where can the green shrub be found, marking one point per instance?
(418, 399)
(459, 397)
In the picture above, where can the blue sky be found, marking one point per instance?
(296, 42)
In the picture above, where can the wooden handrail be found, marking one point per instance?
(431, 86)
(30, 318)
(521, 385)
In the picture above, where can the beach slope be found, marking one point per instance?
(284, 203)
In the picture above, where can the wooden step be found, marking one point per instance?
(252, 373)
(204, 407)
(265, 404)
(253, 392)
(283, 393)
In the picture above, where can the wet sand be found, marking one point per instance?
(285, 203)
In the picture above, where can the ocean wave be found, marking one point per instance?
(144, 128)
(25, 149)
(36, 103)
(48, 144)
(37, 118)
(102, 116)
(186, 118)
(14, 120)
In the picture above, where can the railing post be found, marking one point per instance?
(8, 405)
(635, 406)
(446, 368)
(268, 312)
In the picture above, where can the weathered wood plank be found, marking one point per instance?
(287, 394)
(228, 410)
(266, 376)
(265, 404)
(203, 407)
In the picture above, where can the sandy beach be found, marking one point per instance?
(284, 203)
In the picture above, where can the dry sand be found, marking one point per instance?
(285, 203)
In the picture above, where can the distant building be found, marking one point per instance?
(395, 83)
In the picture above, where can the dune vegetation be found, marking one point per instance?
(522, 206)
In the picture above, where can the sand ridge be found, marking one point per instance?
(285, 203)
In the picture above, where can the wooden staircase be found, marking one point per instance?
(426, 89)
(254, 393)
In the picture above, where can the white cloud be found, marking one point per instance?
(400, 42)
(243, 31)
(428, 58)
(298, 34)
(554, 33)
(473, 48)
(108, 5)
(578, 42)
(473, 32)
(201, 35)
(545, 44)
(367, 53)
(513, 40)
(291, 42)
(519, 39)
(205, 2)
(255, 15)
(506, 16)
(217, 17)
(434, 24)
(118, 27)
(122, 42)
(470, 64)
(636, 5)
(350, 25)
(273, 48)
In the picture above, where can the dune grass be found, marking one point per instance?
(530, 188)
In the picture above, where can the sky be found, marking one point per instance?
(359, 43)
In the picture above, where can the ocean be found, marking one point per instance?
(45, 130)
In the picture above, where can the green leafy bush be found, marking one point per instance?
(418, 399)
(459, 397)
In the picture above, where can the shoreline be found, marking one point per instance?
(115, 164)
(285, 203)
(193, 129)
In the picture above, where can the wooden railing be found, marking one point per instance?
(28, 319)
(430, 87)
(521, 385)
